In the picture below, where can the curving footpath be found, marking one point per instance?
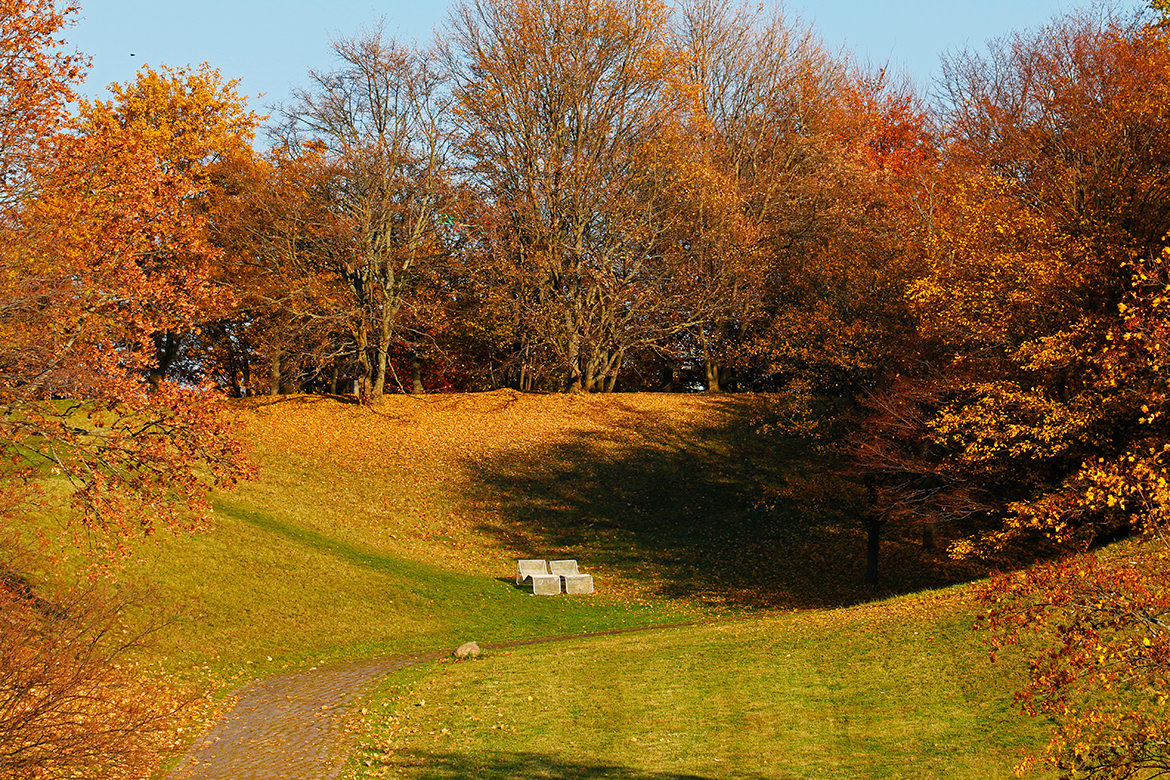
(288, 727)
(291, 727)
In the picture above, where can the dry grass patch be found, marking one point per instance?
(405, 473)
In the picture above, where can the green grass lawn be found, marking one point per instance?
(260, 585)
(395, 529)
(898, 689)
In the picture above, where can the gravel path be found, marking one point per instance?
(288, 727)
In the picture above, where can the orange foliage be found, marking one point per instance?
(1103, 666)
(1056, 348)
(99, 251)
(39, 77)
(188, 118)
(74, 701)
(105, 255)
(88, 278)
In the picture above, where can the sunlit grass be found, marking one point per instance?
(391, 529)
(259, 586)
(395, 529)
(901, 689)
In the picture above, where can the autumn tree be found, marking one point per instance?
(39, 77)
(760, 84)
(189, 120)
(804, 242)
(1058, 182)
(1050, 183)
(379, 121)
(93, 268)
(91, 258)
(91, 229)
(1037, 391)
(74, 702)
(563, 107)
(270, 215)
(1103, 619)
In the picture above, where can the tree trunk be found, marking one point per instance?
(576, 382)
(416, 375)
(928, 535)
(379, 383)
(166, 349)
(712, 370)
(274, 372)
(667, 379)
(246, 388)
(726, 379)
(365, 370)
(592, 381)
(234, 374)
(382, 361)
(873, 528)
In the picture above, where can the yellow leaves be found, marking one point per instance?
(38, 79)
(998, 269)
(186, 117)
(1004, 421)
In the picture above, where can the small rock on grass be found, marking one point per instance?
(468, 650)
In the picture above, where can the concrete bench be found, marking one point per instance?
(543, 583)
(575, 581)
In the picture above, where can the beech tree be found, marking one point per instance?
(1103, 619)
(1061, 182)
(92, 229)
(93, 268)
(1041, 403)
(189, 120)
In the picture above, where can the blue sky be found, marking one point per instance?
(271, 44)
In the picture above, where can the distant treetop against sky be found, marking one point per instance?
(271, 44)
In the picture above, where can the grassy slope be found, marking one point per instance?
(898, 689)
(362, 535)
(397, 528)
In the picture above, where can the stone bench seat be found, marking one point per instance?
(543, 583)
(575, 581)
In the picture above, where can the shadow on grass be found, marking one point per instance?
(525, 766)
(712, 509)
(491, 609)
